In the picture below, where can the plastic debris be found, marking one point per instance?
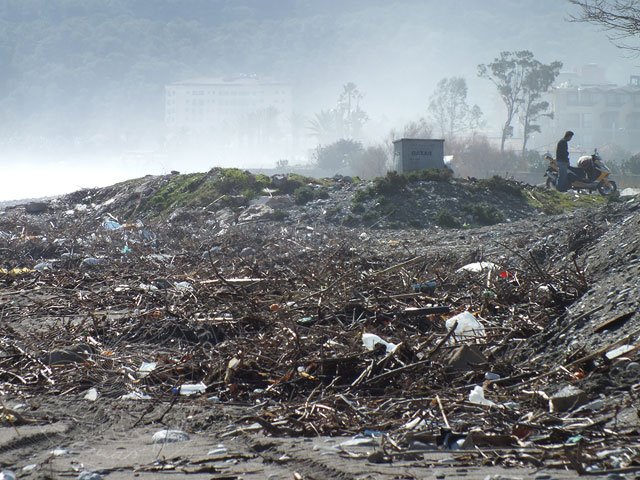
(219, 450)
(618, 352)
(111, 225)
(91, 395)
(135, 396)
(477, 396)
(468, 325)
(424, 287)
(184, 286)
(7, 475)
(191, 389)
(93, 262)
(59, 452)
(42, 266)
(370, 340)
(146, 368)
(477, 267)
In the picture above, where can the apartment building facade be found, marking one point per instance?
(599, 114)
(240, 110)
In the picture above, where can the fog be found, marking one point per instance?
(82, 89)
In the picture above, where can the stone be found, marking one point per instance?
(465, 358)
(170, 436)
(281, 202)
(36, 207)
(566, 399)
(255, 212)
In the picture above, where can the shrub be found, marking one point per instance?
(485, 214)
(500, 184)
(338, 155)
(303, 195)
(430, 175)
(392, 183)
(445, 218)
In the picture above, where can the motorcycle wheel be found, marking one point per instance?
(607, 189)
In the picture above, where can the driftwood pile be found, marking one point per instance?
(323, 331)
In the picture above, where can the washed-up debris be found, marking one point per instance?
(477, 396)
(316, 329)
(191, 389)
(91, 395)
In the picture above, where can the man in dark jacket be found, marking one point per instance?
(562, 157)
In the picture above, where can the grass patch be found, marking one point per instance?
(553, 202)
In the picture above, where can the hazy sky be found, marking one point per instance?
(395, 51)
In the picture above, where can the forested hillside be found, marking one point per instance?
(75, 68)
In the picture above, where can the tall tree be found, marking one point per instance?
(537, 81)
(507, 73)
(352, 117)
(324, 126)
(521, 81)
(344, 121)
(620, 17)
(449, 108)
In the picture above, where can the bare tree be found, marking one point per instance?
(620, 17)
(507, 73)
(537, 82)
(521, 80)
(449, 108)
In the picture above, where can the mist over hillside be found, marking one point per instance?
(86, 78)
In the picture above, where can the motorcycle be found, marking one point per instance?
(590, 174)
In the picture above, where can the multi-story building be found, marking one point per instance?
(241, 110)
(599, 113)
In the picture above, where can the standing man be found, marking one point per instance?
(562, 157)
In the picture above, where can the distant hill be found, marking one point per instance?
(97, 69)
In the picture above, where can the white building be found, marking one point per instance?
(239, 111)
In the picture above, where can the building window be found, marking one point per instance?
(633, 121)
(609, 120)
(572, 98)
(586, 120)
(616, 99)
(588, 98)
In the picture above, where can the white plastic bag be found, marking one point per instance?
(370, 340)
(468, 325)
(477, 396)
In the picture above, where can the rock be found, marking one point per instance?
(170, 436)
(36, 207)
(465, 358)
(73, 354)
(86, 475)
(281, 202)
(255, 212)
(93, 262)
(568, 398)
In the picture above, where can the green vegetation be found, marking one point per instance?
(444, 218)
(228, 186)
(553, 202)
(484, 214)
(501, 184)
